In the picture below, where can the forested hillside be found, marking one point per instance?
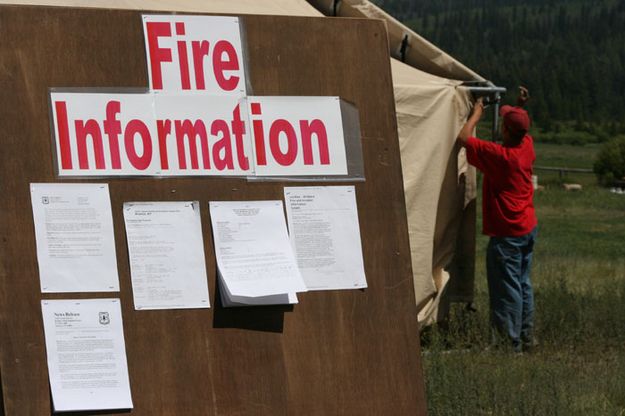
(571, 54)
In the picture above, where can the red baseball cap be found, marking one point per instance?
(515, 119)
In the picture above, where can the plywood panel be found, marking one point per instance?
(341, 352)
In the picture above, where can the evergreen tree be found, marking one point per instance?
(570, 54)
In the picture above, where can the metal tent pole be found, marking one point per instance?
(493, 95)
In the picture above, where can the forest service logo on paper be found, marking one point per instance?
(104, 318)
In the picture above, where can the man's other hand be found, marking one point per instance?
(524, 96)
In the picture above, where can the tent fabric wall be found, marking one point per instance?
(438, 182)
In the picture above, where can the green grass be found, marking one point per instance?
(579, 285)
(558, 155)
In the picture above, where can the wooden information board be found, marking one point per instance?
(350, 352)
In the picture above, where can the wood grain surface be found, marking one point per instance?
(335, 353)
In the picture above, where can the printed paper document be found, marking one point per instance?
(228, 300)
(74, 233)
(252, 247)
(325, 235)
(166, 251)
(86, 354)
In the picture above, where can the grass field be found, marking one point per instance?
(579, 284)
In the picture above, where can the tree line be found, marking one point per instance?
(570, 54)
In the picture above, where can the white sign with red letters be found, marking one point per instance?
(297, 135)
(104, 134)
(196, 119)
(194, 53)
(202, 135)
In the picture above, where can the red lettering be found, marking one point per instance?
(277, 128)
(230, 63)
(191, 131)
(157, 55)
(222, 149)
(113, 128)
(200, 50)
(259, 136)
(90, 128)
(163, 128)
(316, 127)
(133, 128)
(183, 59)
(63, 132)
(238, 129)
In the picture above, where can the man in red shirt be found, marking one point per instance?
(508, 218)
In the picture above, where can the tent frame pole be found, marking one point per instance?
(493, 95)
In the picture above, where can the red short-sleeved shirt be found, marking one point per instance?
(507, 203)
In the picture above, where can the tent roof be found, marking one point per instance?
(405, 75)
(272, 7)
(420, 53)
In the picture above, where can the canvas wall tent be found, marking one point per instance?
(439, 186)
(431, 105)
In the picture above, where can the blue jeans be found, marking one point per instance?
(508, 263)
